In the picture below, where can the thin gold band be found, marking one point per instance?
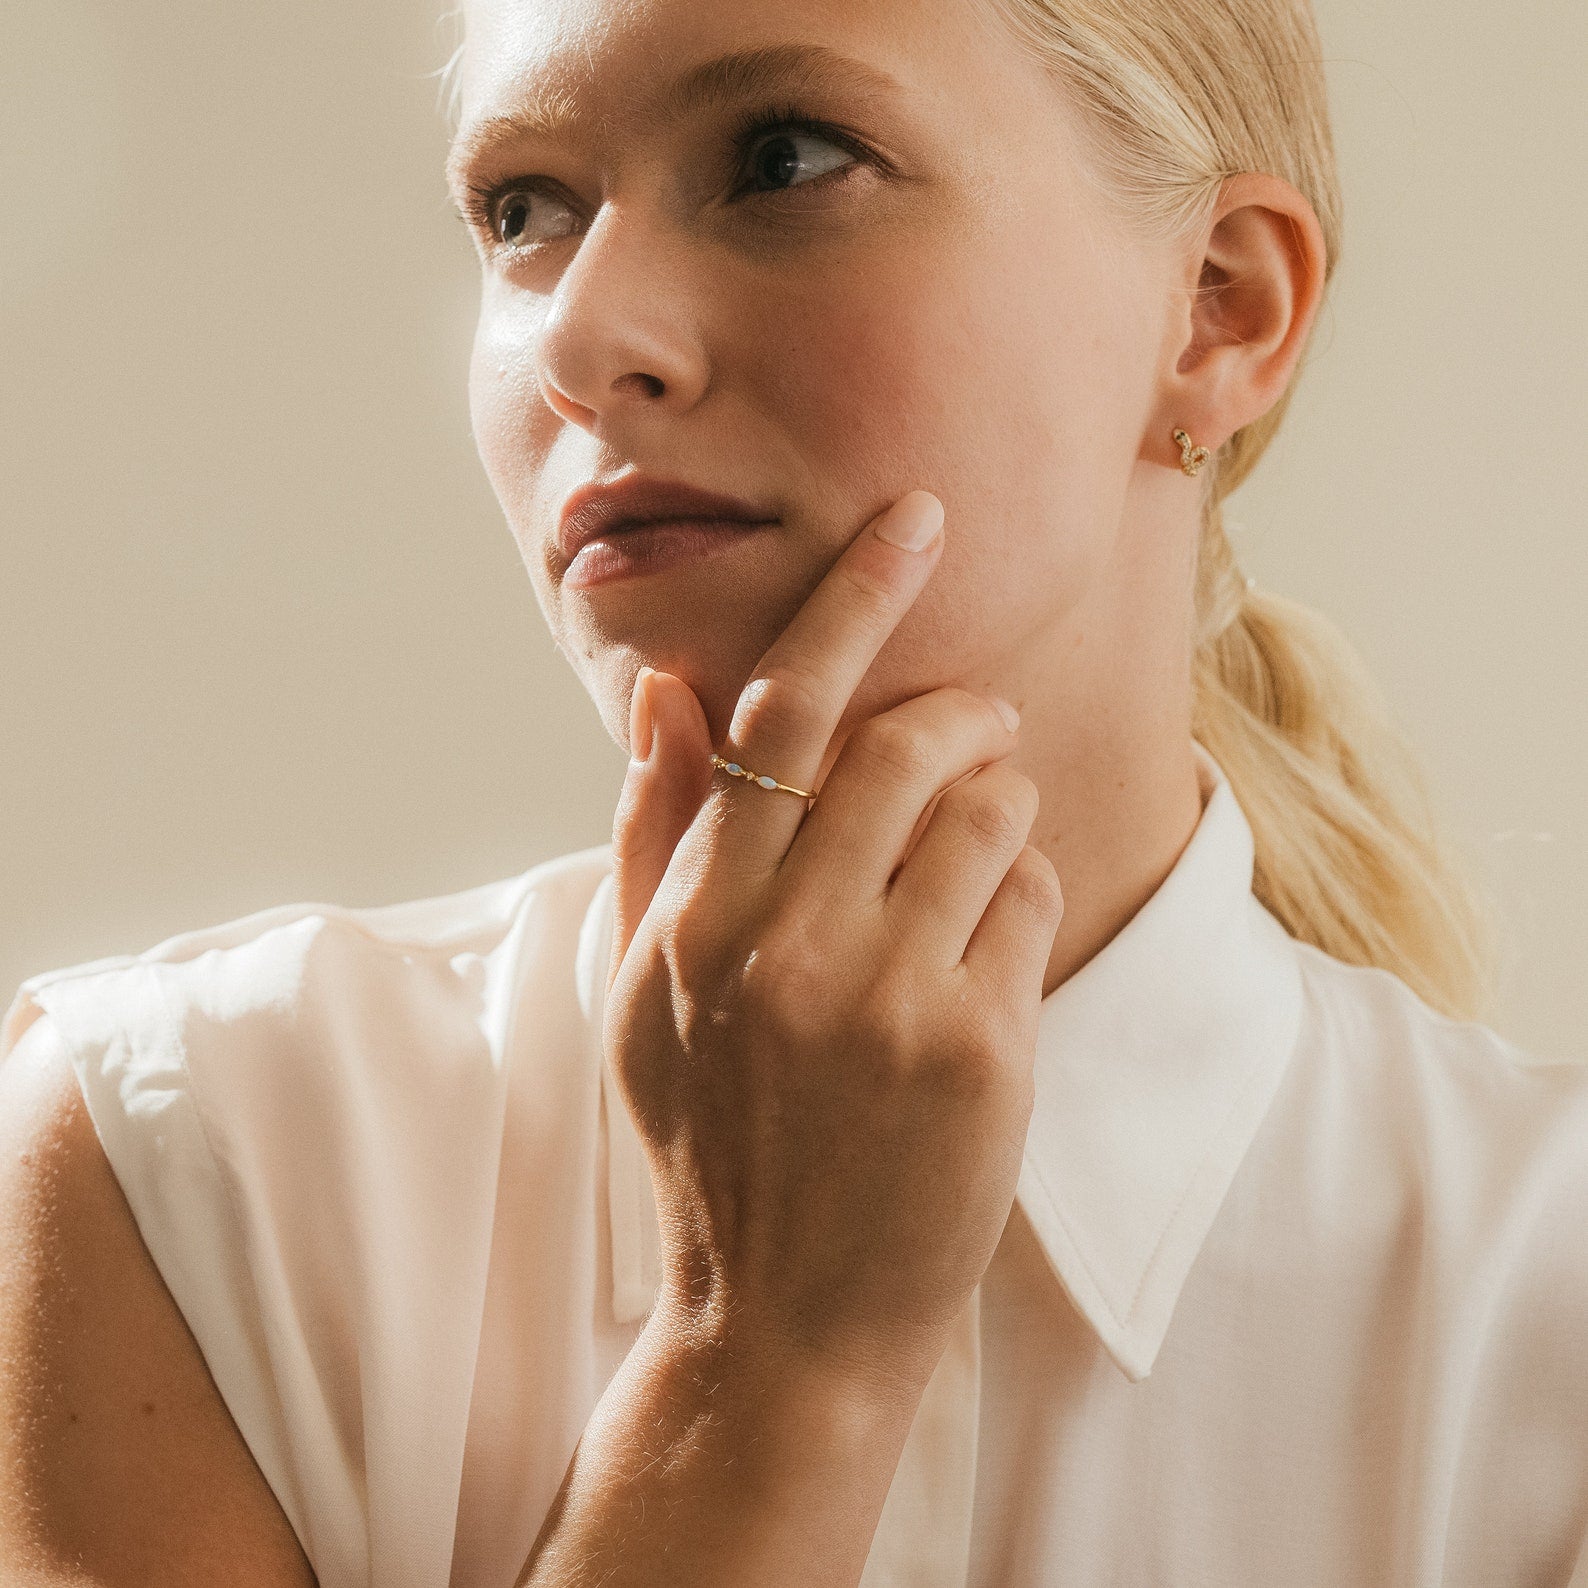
(761, 780)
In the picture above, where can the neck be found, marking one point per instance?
(1115, 766)
(1120, 790)
(1113, 825)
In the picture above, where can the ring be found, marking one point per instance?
(733, 769)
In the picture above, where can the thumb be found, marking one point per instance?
(669, 776)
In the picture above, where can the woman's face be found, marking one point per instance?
(929, 293)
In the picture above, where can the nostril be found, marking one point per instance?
(653, 385)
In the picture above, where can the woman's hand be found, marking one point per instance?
(823, 1018)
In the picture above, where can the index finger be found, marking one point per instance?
(792, 703)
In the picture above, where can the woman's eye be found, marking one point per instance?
(787, 156)
(522, 218)
(777, 158)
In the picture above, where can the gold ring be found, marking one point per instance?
(761, 780)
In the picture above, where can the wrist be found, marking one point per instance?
(724, 1347)
(719, 1455)
(775, 1395)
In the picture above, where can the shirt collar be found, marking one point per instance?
(1155, 1064)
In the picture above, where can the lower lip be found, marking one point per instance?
(653, 548)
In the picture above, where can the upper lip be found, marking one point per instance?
(596, 509)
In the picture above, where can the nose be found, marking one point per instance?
(618, 341)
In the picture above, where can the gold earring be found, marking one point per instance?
(1191, 458)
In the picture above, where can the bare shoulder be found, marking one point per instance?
(119, 1462)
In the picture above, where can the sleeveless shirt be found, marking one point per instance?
(1293, 1290)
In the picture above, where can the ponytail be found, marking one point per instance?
(1349, 852)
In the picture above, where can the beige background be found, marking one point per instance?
(266, 637)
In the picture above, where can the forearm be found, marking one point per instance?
(709, 1465)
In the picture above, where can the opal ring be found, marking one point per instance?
(760, 779)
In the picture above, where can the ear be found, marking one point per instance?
(1253, 282)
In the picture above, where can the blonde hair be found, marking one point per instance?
(1178, 95)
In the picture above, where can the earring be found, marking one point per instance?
(1191, 458)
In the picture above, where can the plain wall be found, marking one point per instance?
(264, 636)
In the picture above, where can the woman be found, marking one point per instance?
(1008, 1106)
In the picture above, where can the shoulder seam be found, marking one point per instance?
(290, 913)
(527, 882)
(1512, 1052)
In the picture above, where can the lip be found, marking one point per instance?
(653, 547)
(605, 508)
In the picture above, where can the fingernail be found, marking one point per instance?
(912, 522)
(1010, 716)
(642, 731)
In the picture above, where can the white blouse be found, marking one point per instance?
(1294, 1290)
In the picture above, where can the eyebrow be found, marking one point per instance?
(770, 69)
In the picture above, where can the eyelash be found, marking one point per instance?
(755, 124)
(479, 205)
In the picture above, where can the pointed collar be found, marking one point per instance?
(1155, 1064)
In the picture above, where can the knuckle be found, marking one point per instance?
(894, 750)
(892, 1002)
(1035, 883)
(780, 976)
(881, 1006)
(702, 1019)
(996, 808)
(782, 704)
(978, 1071)
(977, 707)
(976, 1043)
(867, 585)
(995, 822)
(970, 1061)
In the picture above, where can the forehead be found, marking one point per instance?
(573, 62)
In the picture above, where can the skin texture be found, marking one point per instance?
(959, 311)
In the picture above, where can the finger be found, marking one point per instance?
(662, 794)
(944, 889)
(792, 703)
(1012, 943)
(888, 772)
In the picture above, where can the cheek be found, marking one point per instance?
(502, 394)
(967, 363)
(1003, 387)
